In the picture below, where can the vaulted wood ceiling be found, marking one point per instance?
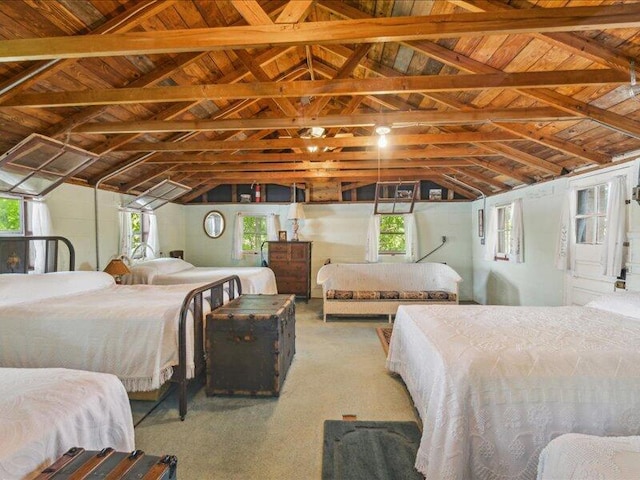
(480, 95)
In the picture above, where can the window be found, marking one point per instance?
(139, 234)
(392, 235)
(254, 233)
(503, 232)
(591, 215)
(11, 216)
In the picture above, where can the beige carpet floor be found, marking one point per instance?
(338, 369)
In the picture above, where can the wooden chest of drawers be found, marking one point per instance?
(291, 264)
(250, 344)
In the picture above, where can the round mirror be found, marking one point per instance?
(214, 224)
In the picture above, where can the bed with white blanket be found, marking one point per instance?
(83, 320)
(46, 411)
(172, 271)
(494, 384)
(575, 456)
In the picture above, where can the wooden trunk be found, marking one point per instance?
(80, 464)
(250, 345)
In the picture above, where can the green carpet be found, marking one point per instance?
(370, 450)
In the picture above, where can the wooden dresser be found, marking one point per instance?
(291, 263)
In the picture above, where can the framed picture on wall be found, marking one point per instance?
(481, 223)
(282, 235)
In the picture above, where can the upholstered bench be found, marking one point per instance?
(378, 288)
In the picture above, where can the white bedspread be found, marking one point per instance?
(574, 456)
(493, 385)
(171, 271)
(130, 331)
(47, 411)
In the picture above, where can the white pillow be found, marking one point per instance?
(19, 287)
(164, 266)
(622, 303)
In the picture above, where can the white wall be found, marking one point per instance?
(338, 231)
(73, 216)
(536, 281)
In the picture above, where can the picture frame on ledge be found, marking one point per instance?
(282, 235)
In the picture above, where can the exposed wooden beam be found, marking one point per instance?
(343, 31)
(416, 117)
(295, 11)
(482, 178)
(366, 86)
(201, 190)
(252, 12)
(507, 172)
(302, 166)
(331, 142)
(405, 153)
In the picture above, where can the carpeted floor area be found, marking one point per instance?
(337, 371)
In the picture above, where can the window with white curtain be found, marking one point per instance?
(391, 240)
(591, 214)
(503, 232)
(254, 233)
(12, 216)
(137, 228)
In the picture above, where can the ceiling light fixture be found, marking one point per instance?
(382, 131)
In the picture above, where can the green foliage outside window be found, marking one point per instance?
(254, 232)
(10, 216)
(392, 239)
(136, 230)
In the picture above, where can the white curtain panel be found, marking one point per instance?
(373, 235)
(125, 232)
(236, 250)
(516, 248)
(615, 232)
(273, 225)
(153, 239)
(565, 246)
(411, 237)
(490, 238)
(39, 225)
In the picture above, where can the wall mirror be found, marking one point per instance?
(213, 224)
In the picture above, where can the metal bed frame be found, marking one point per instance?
(19, 248)
(193, 303)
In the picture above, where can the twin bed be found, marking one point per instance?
(172, 271)
(494, 385)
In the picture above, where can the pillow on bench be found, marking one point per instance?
(390, 295)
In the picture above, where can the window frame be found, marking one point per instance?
(503, 230)
(22, 217)
(382, 232)
(257, 234)
(596, 214)
(143, 233)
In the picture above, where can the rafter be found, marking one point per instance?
(416, 117)
(365, 86)
(343, 31)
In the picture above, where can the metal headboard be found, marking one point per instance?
(15, 253)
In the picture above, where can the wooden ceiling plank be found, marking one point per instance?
(411, 118)
(366, 86)
(342, 31)
(444, 182)
(556, 143)
(251, 11)
(483, 178)
(345, 71)
(507, 172)
(201, 190)
(155, 173)
(577, 45)
(525, 158)
(295, 11)
(122, 23)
